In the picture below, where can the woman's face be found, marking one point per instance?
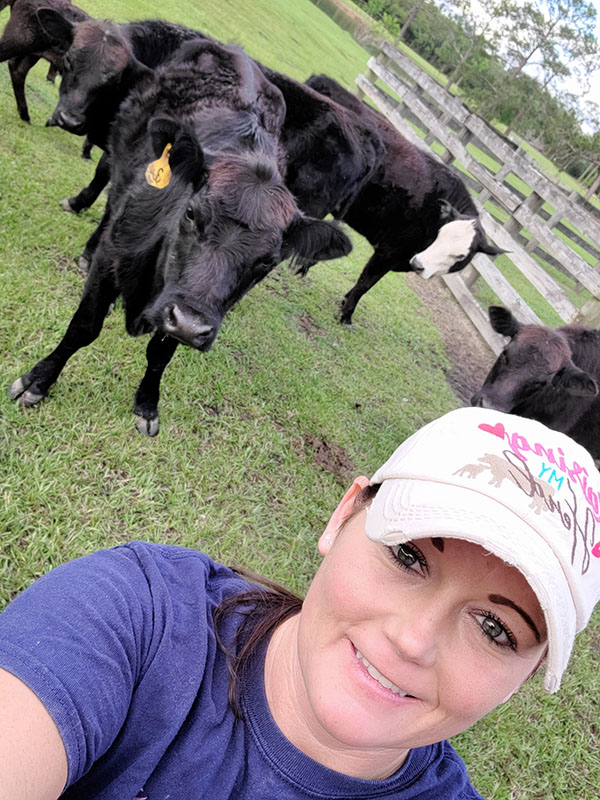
(405, 646)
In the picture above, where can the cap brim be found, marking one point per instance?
(406, 509)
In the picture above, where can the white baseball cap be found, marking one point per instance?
(526, 493)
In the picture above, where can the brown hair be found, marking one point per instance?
(263, 607)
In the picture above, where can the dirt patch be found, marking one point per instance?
(469, 355)
(309, 327)
(331, 457)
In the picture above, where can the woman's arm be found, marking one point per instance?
(33, 761)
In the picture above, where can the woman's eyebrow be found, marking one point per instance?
(504, 601)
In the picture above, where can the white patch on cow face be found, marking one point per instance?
(452, 244)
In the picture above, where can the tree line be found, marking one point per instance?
(511, 61)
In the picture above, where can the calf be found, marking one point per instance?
(548, 375)
(198, 213)
(24, 41)
(98, 74)
(415, 211)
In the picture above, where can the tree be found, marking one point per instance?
(471, 30)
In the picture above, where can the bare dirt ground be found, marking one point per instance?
(469, 355)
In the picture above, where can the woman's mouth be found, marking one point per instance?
(374, 673)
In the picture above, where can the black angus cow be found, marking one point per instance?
(24, 41)
(330, 152)
(98, 76)
(415, 211)
(551, 375)
(183, 254)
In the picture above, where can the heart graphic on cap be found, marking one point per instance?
(497, 429)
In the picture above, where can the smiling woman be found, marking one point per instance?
(461, 568)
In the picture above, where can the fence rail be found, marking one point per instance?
(447, 120)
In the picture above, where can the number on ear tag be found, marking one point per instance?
(158, 173)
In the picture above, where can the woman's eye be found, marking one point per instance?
(410, 558)
(494, 630)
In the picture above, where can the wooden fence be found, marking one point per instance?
(447, 120)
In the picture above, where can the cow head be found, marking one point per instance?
(458, 239)
(534, 376)
(222, 228)
(97, 55)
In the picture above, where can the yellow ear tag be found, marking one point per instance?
(158, 173)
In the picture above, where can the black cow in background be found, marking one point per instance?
(330, 153)
(98, 75)
(415, 211)
(551, 375)
(24, 41)
(198, 213)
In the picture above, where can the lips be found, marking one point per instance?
(374, 673)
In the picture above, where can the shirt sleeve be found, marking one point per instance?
(80, 638)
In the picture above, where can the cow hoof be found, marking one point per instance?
(147, 427)
(23, 396)
(66, 206)
(84, 265)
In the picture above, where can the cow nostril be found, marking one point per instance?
(170, 317)
(203, 331)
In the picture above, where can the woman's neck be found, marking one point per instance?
(290, 707)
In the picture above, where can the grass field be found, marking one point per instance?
(258, 437)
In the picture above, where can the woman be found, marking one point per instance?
(466, 564)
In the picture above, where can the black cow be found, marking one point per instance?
(415, 211)
(551, 375)
(24, 41)
(183, 254)
(98, 75)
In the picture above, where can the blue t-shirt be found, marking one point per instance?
(120, 647)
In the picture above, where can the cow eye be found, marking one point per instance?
(189, 213)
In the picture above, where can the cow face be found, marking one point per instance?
(534, 375)
(97, 55)
(233, 229)
(457, 241)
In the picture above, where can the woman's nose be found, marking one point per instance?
(416, 637)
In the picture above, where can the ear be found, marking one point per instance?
(447, 211)
(314, 240)
(341, 514)
(503, 322)
(483, 246)
(186, 158)
(575, 381)
(55, 25)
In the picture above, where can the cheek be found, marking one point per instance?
(468, 695)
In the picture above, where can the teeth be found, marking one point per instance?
(374, 673)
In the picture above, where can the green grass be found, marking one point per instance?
(258, 437)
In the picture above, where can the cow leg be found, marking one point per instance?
(92, 243)
(158, 354)
(18, 68)
(89, 194)
(52, 73)
(375, 268)
(99, 292)
(86, 150)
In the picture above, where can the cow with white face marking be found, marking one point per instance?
(455, 245)
(415, 211)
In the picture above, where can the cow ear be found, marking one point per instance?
(186, 158)
(503, 322)
(575, 381)
(314, 240)
(483, 246)
(55, 25)
(447, 211)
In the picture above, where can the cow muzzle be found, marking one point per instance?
(187, 327)
(67, 122)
